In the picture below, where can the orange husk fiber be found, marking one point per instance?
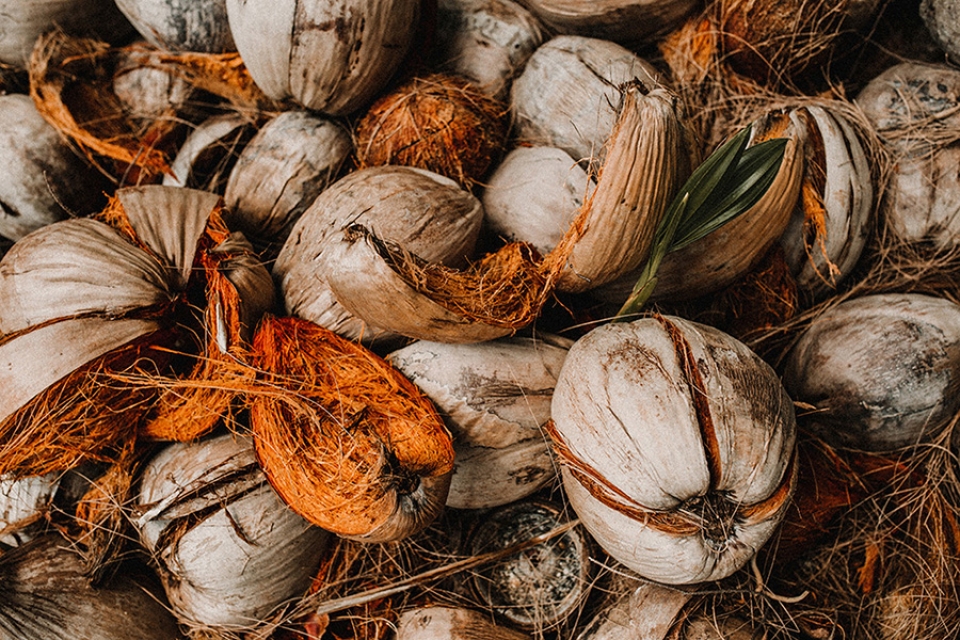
(440, 123)
(339, 432)
(70, 83)
(87, 416)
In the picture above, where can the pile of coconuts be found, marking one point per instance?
(316, 323)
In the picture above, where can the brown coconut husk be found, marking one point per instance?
(87, 416)
(439, 122)
(71, 84)
(891, 570)
(360, 431)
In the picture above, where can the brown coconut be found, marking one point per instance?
(441, 122)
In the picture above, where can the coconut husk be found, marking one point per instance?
(440, 122)
(365, 438)
(78, 411)
(71, 84)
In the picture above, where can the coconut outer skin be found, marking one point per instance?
(23, 21)
(181, 25)
(678, 484)
(621, 21)
(44, 180)
(427, 214)
(882, 370)
(451, 623)
(494, 397)
(568, 95)
(486, 41)
(328, 56)
(942, 18)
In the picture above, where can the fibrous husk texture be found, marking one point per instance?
(440, 123)
(71, 82)
(341, 435)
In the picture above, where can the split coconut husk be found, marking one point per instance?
(71, 82)
(99, 317)
(345, 439)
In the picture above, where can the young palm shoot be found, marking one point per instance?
(726, 184)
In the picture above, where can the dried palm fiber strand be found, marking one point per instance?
(439, 122)
(345, 439)
(71, 82)
(391, 288)
(890, 568)
(232, 557)
(424, 212)
(48, 596)
(92, 311)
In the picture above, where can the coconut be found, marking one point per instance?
(207, 156)
(892, 384)
(373, 456)
(568, 95)
(418, 209)
(48, 596)
(677, 447)
(494, 397)
(280, 172)
(451, 623)
(181, 26)
(942, 18)
(333, 57)
(46, 179)
(624, 21)
(485, 41)
(438, 122)
(229, 551)
(534, 195)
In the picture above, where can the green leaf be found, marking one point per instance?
(729, 182)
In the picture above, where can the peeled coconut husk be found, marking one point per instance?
(373, 457)
(440, 122)
(48, 596)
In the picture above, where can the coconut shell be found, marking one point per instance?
(230, 552)
(568, 95)
(178, 26)
(280, 172)
(677, 444)
(451, 623)
(208, 154)
(423, 212)
(624, 21)
(48, 596)
(892, 384)
(649, 611)
(494, 397)
(333, 57)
